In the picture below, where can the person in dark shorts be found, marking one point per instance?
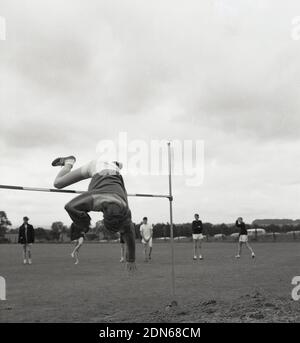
(106, 193)
(243, 237)
(197, 228)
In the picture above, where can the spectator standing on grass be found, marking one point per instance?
(197, 229)
(243, 237)
(146, 231)
(26, 238)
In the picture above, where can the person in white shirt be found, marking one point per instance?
(146, 231)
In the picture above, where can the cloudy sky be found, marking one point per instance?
(75, 72)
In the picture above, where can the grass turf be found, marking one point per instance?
(217, 289)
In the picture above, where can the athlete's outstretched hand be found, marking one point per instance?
(131, 267)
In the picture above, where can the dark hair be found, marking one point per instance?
(145, 218)
(25, 218)
(196, 214)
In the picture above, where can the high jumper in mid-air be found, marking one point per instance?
(106, 193)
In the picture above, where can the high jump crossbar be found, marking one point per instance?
(54, 190)
(169, 196)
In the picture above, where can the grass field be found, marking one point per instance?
(217, 289)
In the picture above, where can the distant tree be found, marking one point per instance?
(286, 228)
(278, 222)
(91, 236)
(4, 223)
(297, 227)
(107, 234)
(99, 229)
(272, 228)
(99, 226)
(208, 229)
(221, 229)
(41, 234)
(57, 229)
(13, 230)
(158, 231)
(167, 230)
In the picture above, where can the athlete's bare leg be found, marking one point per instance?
(29, 253)
(24, 253)
(239, 249)
(145, 252)
(122, 253)
(67, 176)
(251, 250)
(150, 252)
(200, 249)
(75, 252)
(195, 249)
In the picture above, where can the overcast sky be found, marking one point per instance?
(227, 72)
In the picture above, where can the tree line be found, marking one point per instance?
(59, 231)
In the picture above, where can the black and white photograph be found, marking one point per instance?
(149, 164)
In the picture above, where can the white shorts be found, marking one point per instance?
(243, 238)
(197, 236)
(149, 243)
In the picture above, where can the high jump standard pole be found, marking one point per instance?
(171, 227)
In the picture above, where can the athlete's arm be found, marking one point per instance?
(129, 238)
